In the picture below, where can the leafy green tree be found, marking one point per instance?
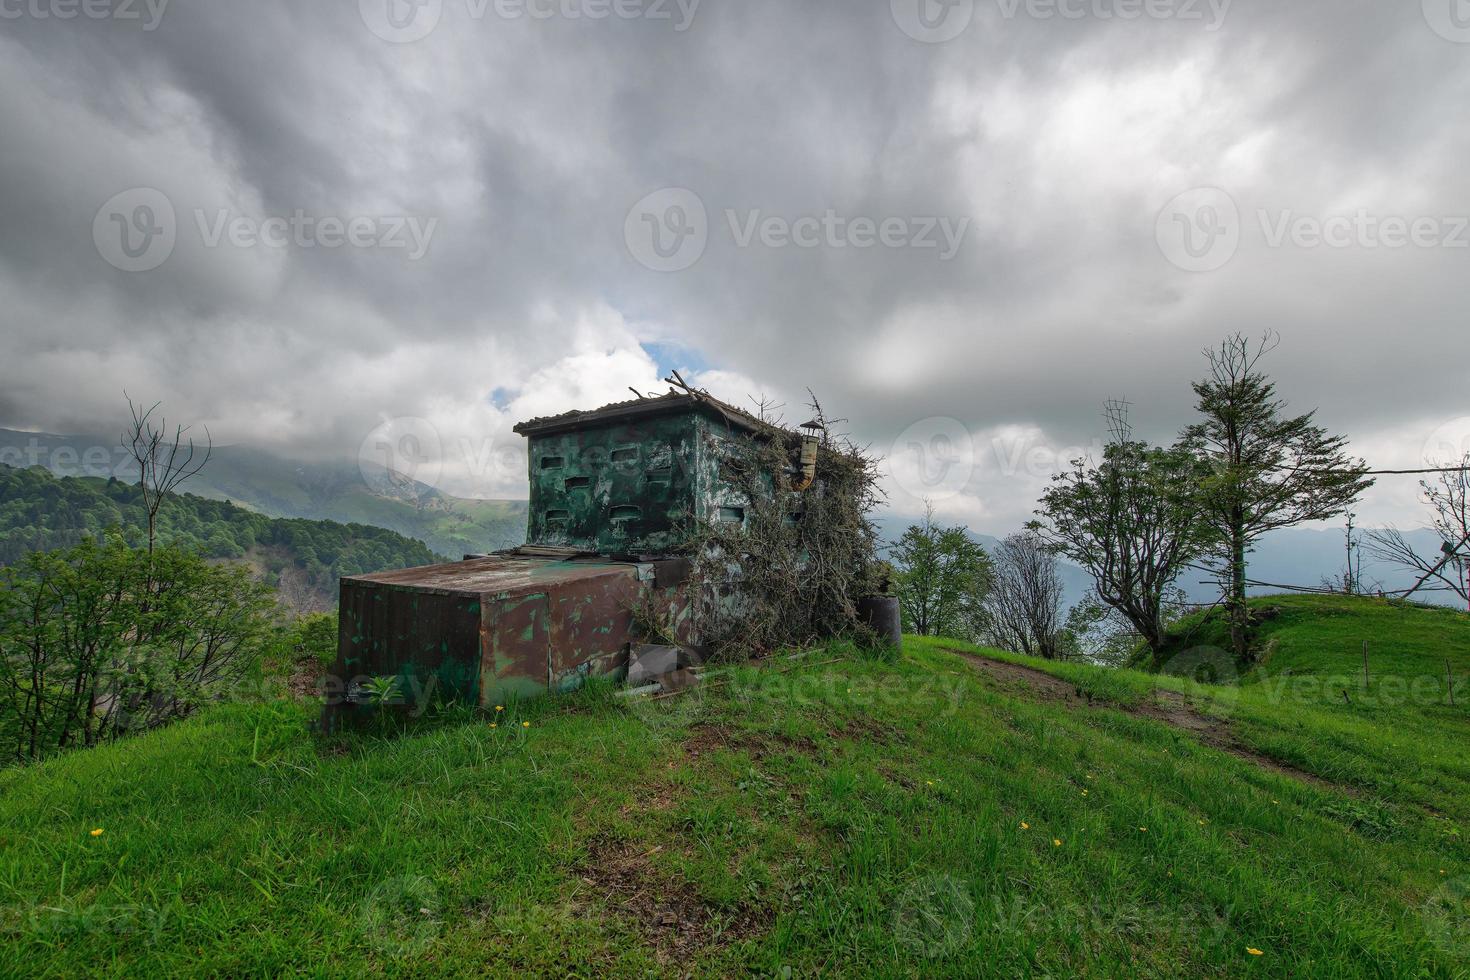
(943, 578)
(1265, 469)
(1133, 522)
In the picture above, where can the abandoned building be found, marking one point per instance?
(613, 495)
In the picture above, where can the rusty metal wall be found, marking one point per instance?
(419, 637)
(494, 629)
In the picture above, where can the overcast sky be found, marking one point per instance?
(964, 226)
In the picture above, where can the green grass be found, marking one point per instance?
(854, 817)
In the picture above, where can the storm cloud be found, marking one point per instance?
(963, 224)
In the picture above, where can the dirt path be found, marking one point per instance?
(1169, 707)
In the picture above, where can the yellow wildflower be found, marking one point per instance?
(525, 724)
(1253, 951)
(1056, 842)
(1025, 825)
(98, 832)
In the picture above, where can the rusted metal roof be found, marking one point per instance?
(493, 576)
(674, 401)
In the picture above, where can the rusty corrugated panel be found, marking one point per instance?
(493, 628)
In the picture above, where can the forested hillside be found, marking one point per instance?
(303, 558)
(343, 490)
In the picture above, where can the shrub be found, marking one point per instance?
(100, 640)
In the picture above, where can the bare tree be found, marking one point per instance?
(1449, 502)
(164, 461)
(1024, 605)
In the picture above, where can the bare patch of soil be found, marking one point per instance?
(668, 913)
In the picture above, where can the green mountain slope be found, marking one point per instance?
(303, 558)
(275, 486)
(958, 812)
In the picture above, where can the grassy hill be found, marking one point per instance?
(957, 812)
(304, 559)
(272, 485)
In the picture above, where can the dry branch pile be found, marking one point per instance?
(793, 571)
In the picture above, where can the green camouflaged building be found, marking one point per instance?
(628, 479)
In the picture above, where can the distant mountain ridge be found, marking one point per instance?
(339, 490)
(303, 559)
(268, 484)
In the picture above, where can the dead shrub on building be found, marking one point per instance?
(792, 571)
